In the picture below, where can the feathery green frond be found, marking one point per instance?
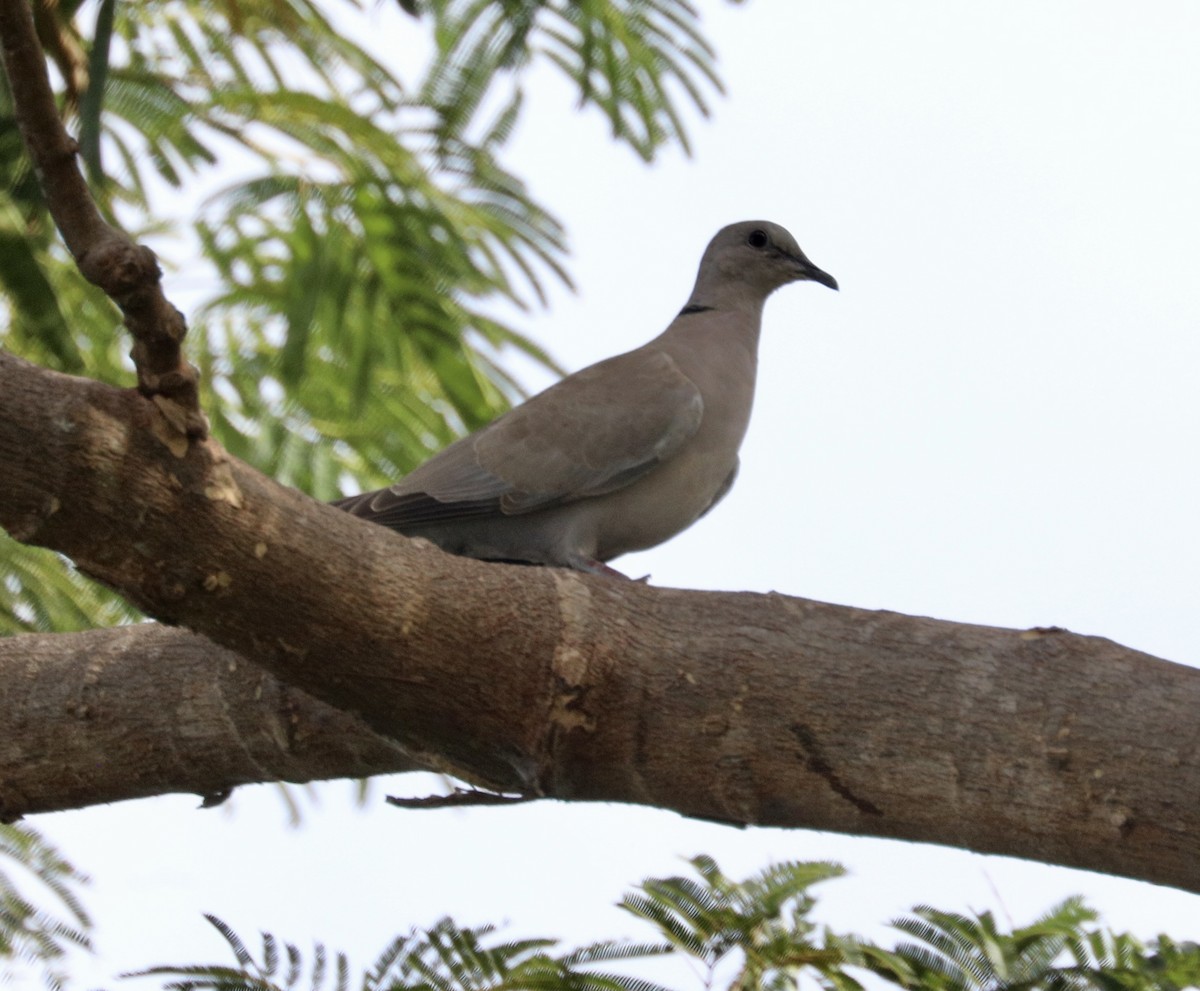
(443, 957)
(633, 59)
(33, 936)
(764, 919)
(35, 318)
(93, 98)
(281, 966)
(41, 592)
(957, 951)
(1110, 961)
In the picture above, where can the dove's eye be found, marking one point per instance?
(757, 239)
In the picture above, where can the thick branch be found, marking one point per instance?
(127, 272)
(147, 710)
(736, 707)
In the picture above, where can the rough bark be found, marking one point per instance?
(147, 710)
(736, 707)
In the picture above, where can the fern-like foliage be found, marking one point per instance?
(444, 957)
(761, 924)
(636, 60)
(958, 952)
(1110, 961)
(764, 919)
(34, 937)
(42, 592)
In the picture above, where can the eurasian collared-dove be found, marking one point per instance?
(622, 455)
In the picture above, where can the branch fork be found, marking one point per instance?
(128, 273)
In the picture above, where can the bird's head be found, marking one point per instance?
(754, 257)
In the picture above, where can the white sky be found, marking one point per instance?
(996, 420)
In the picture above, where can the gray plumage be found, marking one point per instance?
(622, 455)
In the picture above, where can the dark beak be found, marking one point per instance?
(813, 274)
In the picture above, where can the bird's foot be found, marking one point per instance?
(593, 567)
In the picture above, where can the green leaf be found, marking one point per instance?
(93, 97)
(41, 592)
(30, 932)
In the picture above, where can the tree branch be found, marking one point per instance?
(144, 710)
(739, 708)
(128, 273)
(735, 707)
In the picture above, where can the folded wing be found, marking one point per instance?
(593, 433)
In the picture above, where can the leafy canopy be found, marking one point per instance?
(360, 233)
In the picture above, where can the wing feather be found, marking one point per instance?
(594, 432)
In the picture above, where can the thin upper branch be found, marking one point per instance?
(106, 257)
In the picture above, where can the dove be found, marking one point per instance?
(622, 455)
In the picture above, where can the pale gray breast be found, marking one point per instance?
(717, 353)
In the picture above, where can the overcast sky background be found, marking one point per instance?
(995, 421)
